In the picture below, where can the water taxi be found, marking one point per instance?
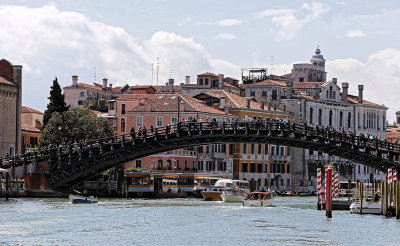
(367, 208)
(82, 199)
(203, 183)
(233, 195)
(214, 193)
(140, 184)
(258, 199)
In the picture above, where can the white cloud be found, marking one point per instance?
(225, 36)
(355, 33)
(49, 42)
(290, 21)
(228, 22)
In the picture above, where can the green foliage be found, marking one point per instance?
(74, 125)
(394, 123)
(100, 105)
(56, 104)
(136, 169)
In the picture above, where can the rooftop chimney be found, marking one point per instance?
(289, 89)
(75, 80)
(315, 91)
(110, 87)
(105, 81)
(187, 81)
(345, 91)
(360, 93)
(334, 80)
(220, 80)
(248, 103)
(222, 102)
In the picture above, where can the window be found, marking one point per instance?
(288, 151)
(231, 149)
(200, 149)
(330, 117)
(201, 81)
(259, 149)
(264, 93)
(274, 94)
(311, 115)
(174, 120)
(82, 93)
(252, 148)
(159, 121)
(139, 121)
(178, 165)
(123, 108)
(252, 167)
(288, 168)
(266, 149)
(244, 148)
(320, 116)
(252, 93)
(282, 150)
(341, 119)
(186, 166)
(122, 125)
(272, 150)
(301, 79)
(206, 81)
(349, 120)
(266, 168)
(200, 165)
(259, 168)
(81, 102)
(244, 167)
(138, 163)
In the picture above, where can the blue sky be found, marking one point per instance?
(359, 40)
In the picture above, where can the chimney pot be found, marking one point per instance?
(248, 103)
(360, 93)
(75, 80)
(345, 88)
(105, 81)
(187, 81)
(222, 102)
(220, 80)
(334, 80)
(110, 87)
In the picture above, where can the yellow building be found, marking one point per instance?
(32, 121)
(264, 165)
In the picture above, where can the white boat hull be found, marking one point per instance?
(367, 208)
(258, 203)
(232, 198)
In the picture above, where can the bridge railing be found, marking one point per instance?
(72, 152)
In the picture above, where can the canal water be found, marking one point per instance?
(292, 221)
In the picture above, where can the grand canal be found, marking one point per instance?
(292, 221)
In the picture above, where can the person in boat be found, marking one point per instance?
(376, 196)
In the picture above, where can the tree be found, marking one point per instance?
(74, 125)
(56, 104)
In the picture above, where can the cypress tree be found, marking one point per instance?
(56, 104)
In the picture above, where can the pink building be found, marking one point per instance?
(158, 110)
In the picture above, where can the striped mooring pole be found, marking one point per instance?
(389, 178)
(394, 175)
(336, 184)
(319, 180)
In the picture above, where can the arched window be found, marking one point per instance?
(160, 165)
(320, 116)
(327, 94)
(311, 115)
(11, 151)
(330, 92)
(169, 166)
(330, 117)
(349, 120)
(364, 123)
(378, 125)
(341, 119)
(122, 125)
(358, 120)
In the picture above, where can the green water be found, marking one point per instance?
(292, 221)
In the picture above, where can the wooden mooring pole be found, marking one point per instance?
(397, 199)
(328, 192)
(361, 194)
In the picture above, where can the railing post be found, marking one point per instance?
(133, 135)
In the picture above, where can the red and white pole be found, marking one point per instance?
(319, 191)
(336, 184)
(389, 176)
(328, 192)
(394, 175)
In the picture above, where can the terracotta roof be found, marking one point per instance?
(393, 133)
(354, 100)
(25, 109)
(169, 103)
(230, 78)
(6, 81)
(229, 85)
(132, 97)
(306, 85)
(289, 75)
(140, 87)
(232, 100)
(208, 74)
(83, 85)
(268, 82)
(162, 88)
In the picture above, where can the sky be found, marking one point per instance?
(125, 40)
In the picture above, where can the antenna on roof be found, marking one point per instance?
(95, 75)
(152, 73)
(272, 65)
(158, 66)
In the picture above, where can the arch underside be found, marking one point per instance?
(63, 175)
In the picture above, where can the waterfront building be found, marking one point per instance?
(158, 110)
(10, 108)
(393, 131)
(210, 81)
(32, 121)
(84, 95)
(264, 165)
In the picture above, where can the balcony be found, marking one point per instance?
(280, 158)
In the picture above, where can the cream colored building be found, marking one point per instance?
(10, 108)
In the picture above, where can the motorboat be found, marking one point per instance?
(203, 183)
(367, 208)
(258, 199)
(233, 195)
(82, 199)
(214, 193)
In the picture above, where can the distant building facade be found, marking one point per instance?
(32, 121)
(10, 108)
